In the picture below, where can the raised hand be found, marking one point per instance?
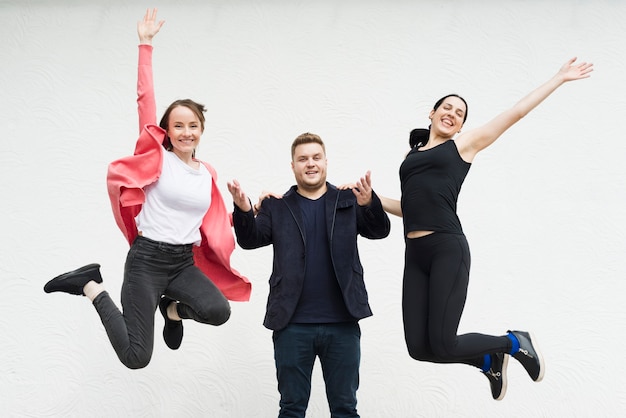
(148, 27)
(570, 71)
(363, 190)
(239, 196)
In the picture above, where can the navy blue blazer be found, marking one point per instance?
(279, 222)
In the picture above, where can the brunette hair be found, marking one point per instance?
(306, 138)
(440, 102)
(197, 108)
(419, 137)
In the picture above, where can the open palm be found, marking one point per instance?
(571, 71)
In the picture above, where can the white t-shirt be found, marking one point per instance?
(176, 203)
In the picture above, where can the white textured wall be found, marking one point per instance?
(543, 208)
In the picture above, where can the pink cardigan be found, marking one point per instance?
(127, 177)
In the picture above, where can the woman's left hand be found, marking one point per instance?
(570, 71)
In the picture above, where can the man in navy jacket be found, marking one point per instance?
(317, 293)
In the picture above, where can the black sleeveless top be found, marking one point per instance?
(431, 181)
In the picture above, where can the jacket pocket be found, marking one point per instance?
(345, 204)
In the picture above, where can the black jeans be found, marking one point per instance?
(153, 269)
(436, 275)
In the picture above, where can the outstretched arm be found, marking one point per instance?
(473, 141)
(391, 206)
(146, 104)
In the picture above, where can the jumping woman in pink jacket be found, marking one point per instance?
(168, 206)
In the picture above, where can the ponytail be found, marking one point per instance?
(419, 137)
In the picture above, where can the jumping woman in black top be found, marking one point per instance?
(437, 258)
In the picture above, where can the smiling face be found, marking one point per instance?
(184, 130)
(448, 117)
(183, 114)
(309, 168)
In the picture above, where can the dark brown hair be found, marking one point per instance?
(440, 102)
(197, 108)
(419, 137)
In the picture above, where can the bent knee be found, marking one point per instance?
(222, 315)
(443, 353)
(438, 354)
(136, 363)
(418, 353)
(216, 314)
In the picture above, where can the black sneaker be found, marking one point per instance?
(497, 375)
(73, 282)
(172, 330)
(529, 355)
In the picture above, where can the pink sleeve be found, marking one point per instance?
(146, 103)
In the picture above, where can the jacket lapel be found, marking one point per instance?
(332, 199)
(291, 201)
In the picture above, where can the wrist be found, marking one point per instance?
(245, 206)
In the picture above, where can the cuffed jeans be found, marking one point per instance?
(153, 269)
(338, 347)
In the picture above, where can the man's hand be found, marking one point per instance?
(239, 196)
(363, 190)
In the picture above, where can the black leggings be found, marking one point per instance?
(436, 276)
(153, 269)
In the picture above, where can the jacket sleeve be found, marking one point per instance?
(146, 103)
(372, 220)
(127, 176)
(253, 232)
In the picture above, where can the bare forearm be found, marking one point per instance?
(484, 136)
(535, 97)
(476, 140)
(391, 206)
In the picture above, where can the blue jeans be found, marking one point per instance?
(153, 269)
(338, 347)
